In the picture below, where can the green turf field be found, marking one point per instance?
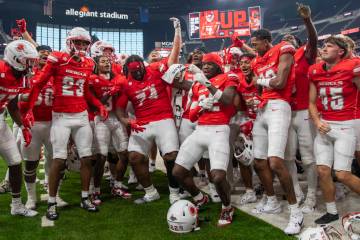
(121, 219)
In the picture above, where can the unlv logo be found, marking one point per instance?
(20, 47)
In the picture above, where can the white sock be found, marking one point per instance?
(46, 180)
(152, 161)
(84, 194)
(150, 190)
(16, 200)
(198, 197)
(117, 184)
(272, 198)
(31, 190)
(294, 208)
(173, 190)
(331, 208)
(225, 207)
(52, 200)
(249, 190)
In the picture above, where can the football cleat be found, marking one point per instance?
(95, 198)
(5, 186)
(248, 197)
(184, 194)
(148, 198)
(118, 192)
(174, 195)
(30, 204)
(309, 204)
(226, 217)
(87, 205)
(51, 212)
(270, 207)
(20, 209)
(60, 202)
(327, 218)
(260, 204)
(199, 204)
(295, 224)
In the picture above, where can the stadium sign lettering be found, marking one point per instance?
(96, 14)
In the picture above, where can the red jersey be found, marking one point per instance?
(116, 68)
(220, 114)
(70, 81)
(267, 67)
(10, 86)
(300, 99)
(99, 85)
(337, 94)
(149, 96)
(249, 93)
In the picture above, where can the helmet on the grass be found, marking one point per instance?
(182, 217)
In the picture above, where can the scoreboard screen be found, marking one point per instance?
(222, 24)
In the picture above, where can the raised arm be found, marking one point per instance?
(175, 51)
(311, 47)
(24, 33)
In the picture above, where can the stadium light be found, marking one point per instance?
(347, 14)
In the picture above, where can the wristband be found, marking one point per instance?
(264, 82)
(218, 94)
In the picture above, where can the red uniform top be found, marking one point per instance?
(10, 87)
(149, 96)
(300, 100)
(71, 90)
(249, 94)
(117, 68)
(99, 85)
(267, 67)
(220, 114)
(337, 94)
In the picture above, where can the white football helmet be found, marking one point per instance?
(243, 150)
(121, 58)
(77, 33)
(182, 217)
(20, 55)
(97, 49)
(320, 233)
(351, 224)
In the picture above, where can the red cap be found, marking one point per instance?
(214, 58)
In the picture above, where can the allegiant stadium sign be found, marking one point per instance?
(95, 14)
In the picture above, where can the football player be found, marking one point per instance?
(70, 71)
(334, 86)
(148, 94)
(19, 58)
(212, 106)
(302, 131)
(109, 132)
(210, 25)
(250, 98)
(274, 68)
(40, 131)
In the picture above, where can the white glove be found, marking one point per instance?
(202, 79)
(192, 68)
(265, 82)
(176, 22)
(207, 103)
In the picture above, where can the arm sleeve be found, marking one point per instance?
(287, 48)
